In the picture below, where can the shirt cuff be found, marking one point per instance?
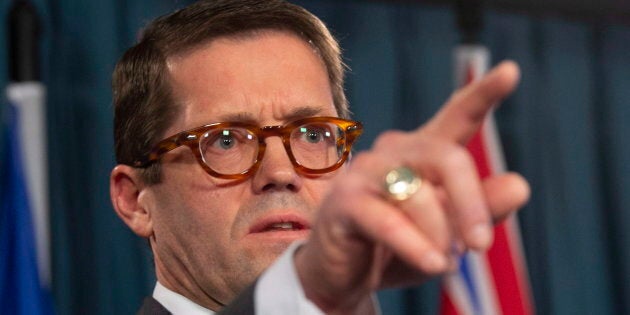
(279, 290)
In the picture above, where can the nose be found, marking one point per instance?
(276, 172)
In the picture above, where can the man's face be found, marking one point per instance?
(213, 236)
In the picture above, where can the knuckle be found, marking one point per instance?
(388, 224)
(456, 157)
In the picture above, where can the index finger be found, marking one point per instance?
(465, 111)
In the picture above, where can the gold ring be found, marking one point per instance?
(401, 182)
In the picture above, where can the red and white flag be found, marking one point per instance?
(494, 282)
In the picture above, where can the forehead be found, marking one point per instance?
(268, 77)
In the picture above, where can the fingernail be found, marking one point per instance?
(480, 236)
(435, 261)
(458, 248)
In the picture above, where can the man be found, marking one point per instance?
(220, 194)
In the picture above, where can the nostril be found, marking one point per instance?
(277, 186)
(269, 187)
(276, 172)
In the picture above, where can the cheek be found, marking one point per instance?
(319, 187)
(196, 214)
(218, 210)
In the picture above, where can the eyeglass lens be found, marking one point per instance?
(233, 150)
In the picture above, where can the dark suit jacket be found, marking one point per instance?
(242, 305)
(152, 307)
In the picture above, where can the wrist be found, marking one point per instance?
(324, 294)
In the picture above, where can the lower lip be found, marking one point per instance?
(281, 234)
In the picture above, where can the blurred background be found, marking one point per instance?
(566, 130)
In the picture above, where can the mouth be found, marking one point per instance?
(280, 224)
(283, 226)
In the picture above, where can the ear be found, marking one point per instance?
(125, 187)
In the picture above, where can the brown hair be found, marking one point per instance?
(143, 101)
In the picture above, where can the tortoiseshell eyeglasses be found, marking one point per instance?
(234, 150)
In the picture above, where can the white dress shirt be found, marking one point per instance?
(176, 303)
(278, 291)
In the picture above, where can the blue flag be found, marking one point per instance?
(21, 291)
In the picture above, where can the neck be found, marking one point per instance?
(177, 279)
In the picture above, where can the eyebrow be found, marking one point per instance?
(297, 113)
(240, 116)
(303, 112)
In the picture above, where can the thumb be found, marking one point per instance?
(505, 194)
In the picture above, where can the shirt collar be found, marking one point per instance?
(176, 303)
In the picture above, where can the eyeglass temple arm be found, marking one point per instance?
(161, 148)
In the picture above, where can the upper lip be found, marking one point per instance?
(264, 223)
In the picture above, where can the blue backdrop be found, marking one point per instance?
(565, 129)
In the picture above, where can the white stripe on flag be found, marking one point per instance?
(29, 98)
(484, 284)
(458, 293)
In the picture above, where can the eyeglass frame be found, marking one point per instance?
(191, 138)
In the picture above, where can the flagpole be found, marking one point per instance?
(28, 94)
(23, 42)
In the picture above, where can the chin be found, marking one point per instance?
(262, 255)
(263, 249)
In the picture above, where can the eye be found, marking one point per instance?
(226, 140)
(314, 134)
